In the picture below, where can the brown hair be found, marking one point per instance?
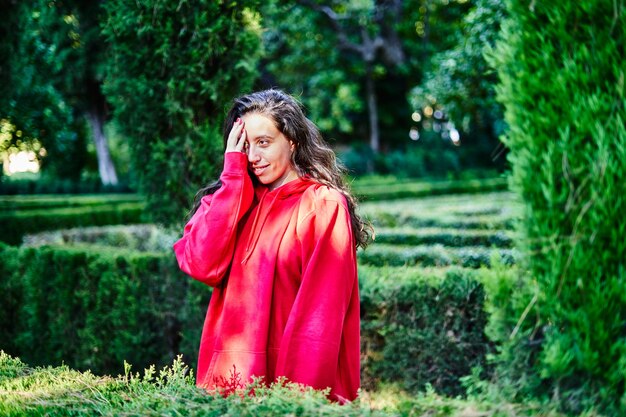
(312, 155)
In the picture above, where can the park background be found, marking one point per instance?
(485, 139)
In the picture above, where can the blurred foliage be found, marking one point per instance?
(300, 56)
(458, 92)
(562, 70)
(304, 55)
(407, 189)
(29, 183)
(171, 72)
(175, 75)
(53, 65)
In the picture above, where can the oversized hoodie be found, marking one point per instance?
(283, 266)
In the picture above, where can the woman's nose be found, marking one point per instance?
(253, 155)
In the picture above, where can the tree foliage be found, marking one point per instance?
(461, 85)
(562, 69)
(172, 70)
(44, 60)
(318, 50)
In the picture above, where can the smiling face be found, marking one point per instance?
(269, 151)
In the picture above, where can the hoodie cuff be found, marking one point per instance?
(235, 163)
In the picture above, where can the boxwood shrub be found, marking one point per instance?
(445, 237)
(14, 224)
(422, 326)
(93, 308)
(404, 189)
(381, 254)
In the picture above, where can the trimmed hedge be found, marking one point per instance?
(34, 202)
(59, 186)
(93, 308)
(405, 189)
(15, 224)
(436, 255)
(386, 219)
(445, 237)
(422, 327)
(136, 237)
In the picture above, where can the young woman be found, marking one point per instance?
(276, 237)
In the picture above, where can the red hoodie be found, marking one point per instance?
(286, 298)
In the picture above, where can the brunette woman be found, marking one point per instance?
(276, 237)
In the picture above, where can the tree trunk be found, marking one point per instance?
(373, 110)
(106, 168)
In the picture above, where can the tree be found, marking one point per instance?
(57, 81)
(34, 111)
(341, 54)
(300, 56)
(375, 26)
(173, 68)
(460, 88)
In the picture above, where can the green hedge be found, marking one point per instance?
(445, 237)
(481, 222)
(422, 326)
(562, 68)
(135, 237)
(10, 186)
(34, 202)
(15, 224)
(436, 255)
(405, 189)
(93, 308)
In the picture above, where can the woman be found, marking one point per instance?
(276, 237)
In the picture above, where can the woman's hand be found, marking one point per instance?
(237, 137)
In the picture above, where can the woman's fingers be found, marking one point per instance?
(234, 137)
(242, 140)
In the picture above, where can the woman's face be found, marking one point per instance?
(269, 151)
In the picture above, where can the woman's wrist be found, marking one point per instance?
(235, 162)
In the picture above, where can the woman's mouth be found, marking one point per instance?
(258, 170)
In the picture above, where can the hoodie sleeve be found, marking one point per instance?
(321, 345)
(206, 249)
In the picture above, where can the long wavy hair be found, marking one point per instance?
(312, 155)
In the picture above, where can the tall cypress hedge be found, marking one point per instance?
(562, 69)
(173, 68)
